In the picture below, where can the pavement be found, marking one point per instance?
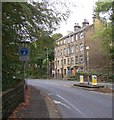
(36, 105)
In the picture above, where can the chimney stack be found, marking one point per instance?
(85, 23)
(76, 26)
(94, 17)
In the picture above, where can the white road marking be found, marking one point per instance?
(58, 84)
(101, 93)
(71, 105)
(66, 86)
(59, 102)
(51, 94)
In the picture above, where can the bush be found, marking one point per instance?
(10, 83)
(71, 77)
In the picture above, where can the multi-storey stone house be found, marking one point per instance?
(77, 51)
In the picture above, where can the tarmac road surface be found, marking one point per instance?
(75, 102)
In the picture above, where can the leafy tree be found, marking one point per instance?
(104, 26)
(25, 21)
(57, 36)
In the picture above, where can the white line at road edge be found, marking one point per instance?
(72, 105)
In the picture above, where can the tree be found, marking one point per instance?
(24, 21)
(57, 36)
(104, 13)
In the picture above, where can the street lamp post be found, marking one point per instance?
(87, 48)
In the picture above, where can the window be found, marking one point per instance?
(76, 59)
(76, 36)
(72, 49)
(64, 61)
(68, 61)
(58, 43)
(76, 48)
(55, 52)
(65, 71)
(72, 38)
(81, 47)
(58, 52)
(81, 35)
(55, 63)
(68, 50)
(61, 42)
(58, 71)
(64, 51)
(72, 60)
(68, 39)
(65, 41)
(81, 59)
(61, 51)
(58, 62)
(61, 62)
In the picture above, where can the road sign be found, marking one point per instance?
(24, 54)
(94, 80)
(23, 51)
(24, 58)
(81, 79)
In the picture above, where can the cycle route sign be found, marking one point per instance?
(24, 54)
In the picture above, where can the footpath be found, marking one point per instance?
(36, 105)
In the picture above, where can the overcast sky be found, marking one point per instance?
(83, 10)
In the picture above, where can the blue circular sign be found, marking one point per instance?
(23, 51)
(95, 77)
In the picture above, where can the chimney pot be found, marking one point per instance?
(76, 26)
(85, 23)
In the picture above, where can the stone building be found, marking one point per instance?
(77, 51)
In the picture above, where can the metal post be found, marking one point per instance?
(56, 69)
(47, 63)
(88, 65)
(87, 48)
(62, 68)
(107, 53)
(25, 82)
(24, 65)
(24, 72)
(21, 58)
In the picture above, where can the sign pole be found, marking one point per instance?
(24, 54)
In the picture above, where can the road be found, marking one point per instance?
(73, 102)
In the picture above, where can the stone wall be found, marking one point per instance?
(96, 58)
(11, 99)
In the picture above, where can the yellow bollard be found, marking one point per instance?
(81, 79)
(94, 80)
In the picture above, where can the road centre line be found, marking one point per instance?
(57, 84)
(71, 105)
